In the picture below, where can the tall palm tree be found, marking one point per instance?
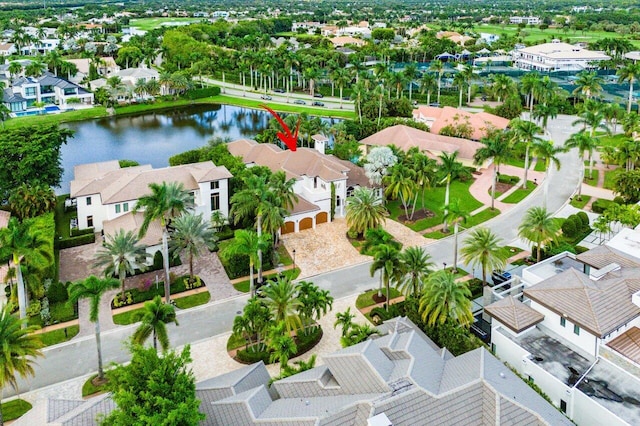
(18, 350)
(341, 77)
(281, 297)
(365, 210)
(588, 84)
(630, 72)
(543, 112)
(35, 69)
(450, 168)
(401, 183)
(416, 265)
(410, 73)
(547, 150)
(585, 143)
(121, 255)
(445, 299)
(248, 243)
(455, 215)
(482, 248)
(93, 288)
(438, 67)
(166, 201)
(155, 316)
(502, 86)
(281, 344)
(525, 132)
(496, 147)
(427, 84)
(538, 227)
(387, 259)
(460, 80)
(191, 234)
(528, 85)
(24, 246)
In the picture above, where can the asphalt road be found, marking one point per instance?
(77, 358)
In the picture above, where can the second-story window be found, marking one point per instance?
(563, 322)
(215, 184)
(117, 208)
(88, 201)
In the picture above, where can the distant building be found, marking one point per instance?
(24, 92)
(529, 20)
(480, 122)
(557, 56)
(7, 49)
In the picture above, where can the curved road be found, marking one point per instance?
(78, 357)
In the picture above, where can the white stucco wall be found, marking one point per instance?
(587, 412)
(96, 209)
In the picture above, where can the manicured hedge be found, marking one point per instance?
(77, 232)
(238, 266)
(76, 241)
(57, 292)
(202, 93)
(600, 205)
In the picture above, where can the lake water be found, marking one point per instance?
(153, 137)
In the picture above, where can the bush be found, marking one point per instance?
(238, 266)
(118, 302)
(34, 308)
(157, 260)
(381, 313)
(600, 205)
(569, 228)
(584, 219)
(76, 241)
(304, 343)
(202, 93)
(77, 232)
(57, 293)
(619, 200)
(187, 157)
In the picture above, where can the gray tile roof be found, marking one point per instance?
(603, 255)
(8, 96)
(597, 306)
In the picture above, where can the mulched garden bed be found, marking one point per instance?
(417, 215)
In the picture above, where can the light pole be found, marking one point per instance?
(444, 266)
(294, 259)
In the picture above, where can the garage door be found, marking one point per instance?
(306, 223)
(288, 227)
(321, 218)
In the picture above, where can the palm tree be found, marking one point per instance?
(191, 234)
(455, 215)
(445, 299)
(451, 169)
(281, 344)
(585, 143)
(438, 67)
(588, 84)
(496, 148)
(18, 350)
(387, 259)
(482, 248)
(547, 150)
(4, 113)
(401, 183)
(460, 80)
(248, 243)
(543, 112)
(281, 297)
(155, 316)
(410, 73)
(93, 288)
(121, 255)
(314, 302)
(427, 84)
(24, 246)
(528, 85)
(166, 201)
(538, 227)
(365, 210)
(525, 132)
(417, 265)
(630, 73)
(14, 68)
(342, 77)
(35, 69)
(502, 86)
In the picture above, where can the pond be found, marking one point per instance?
(153, 137)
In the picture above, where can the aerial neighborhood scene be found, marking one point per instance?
(319, 213)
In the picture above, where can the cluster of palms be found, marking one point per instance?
(267, 198)
(281, 309)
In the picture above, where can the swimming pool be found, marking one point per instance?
(26, 113)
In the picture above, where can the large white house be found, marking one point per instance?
(24, 92)
(557, 56)
(106, 194)
(314, 173)
(573, 328)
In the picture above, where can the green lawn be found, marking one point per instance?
(128, 317)
(579, 204)
(57, 336)
(13, 409)
(255, 103)
(366, 299)
(611, 140)
(89, 389)
(434, 201)
(536, 35)
(244, 286)
(520, 194)
(235, 341)
(540, 165)
(474, 220)
(148, 24)
(591, 179)
(610, 177)
(62, 218)
(516, 162)
(508, 251)
(193, 300)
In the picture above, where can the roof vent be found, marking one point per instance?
(599, 273)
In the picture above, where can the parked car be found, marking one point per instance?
(278, 90)
(318, 103)
(266, 97)
(299, 102)
(318, 95)
(499, 277)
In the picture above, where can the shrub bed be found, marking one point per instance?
(136, 295)
(80, 240)
(304, 343)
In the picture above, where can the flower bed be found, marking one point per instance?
(148, 291)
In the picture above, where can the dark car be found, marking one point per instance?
(318, 103)
(278, 90)
(318, 95)
(499, 277)
(266, 97)
(299, 102)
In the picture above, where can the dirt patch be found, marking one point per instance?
(379, 299)
(502, 187)
(417, 215)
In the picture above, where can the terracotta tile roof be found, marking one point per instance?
(118, 185)
(302, 162)
(132, 222)
(597, 306)
(628, 344)
(405, 137)
(441, 117)
(514, 314)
